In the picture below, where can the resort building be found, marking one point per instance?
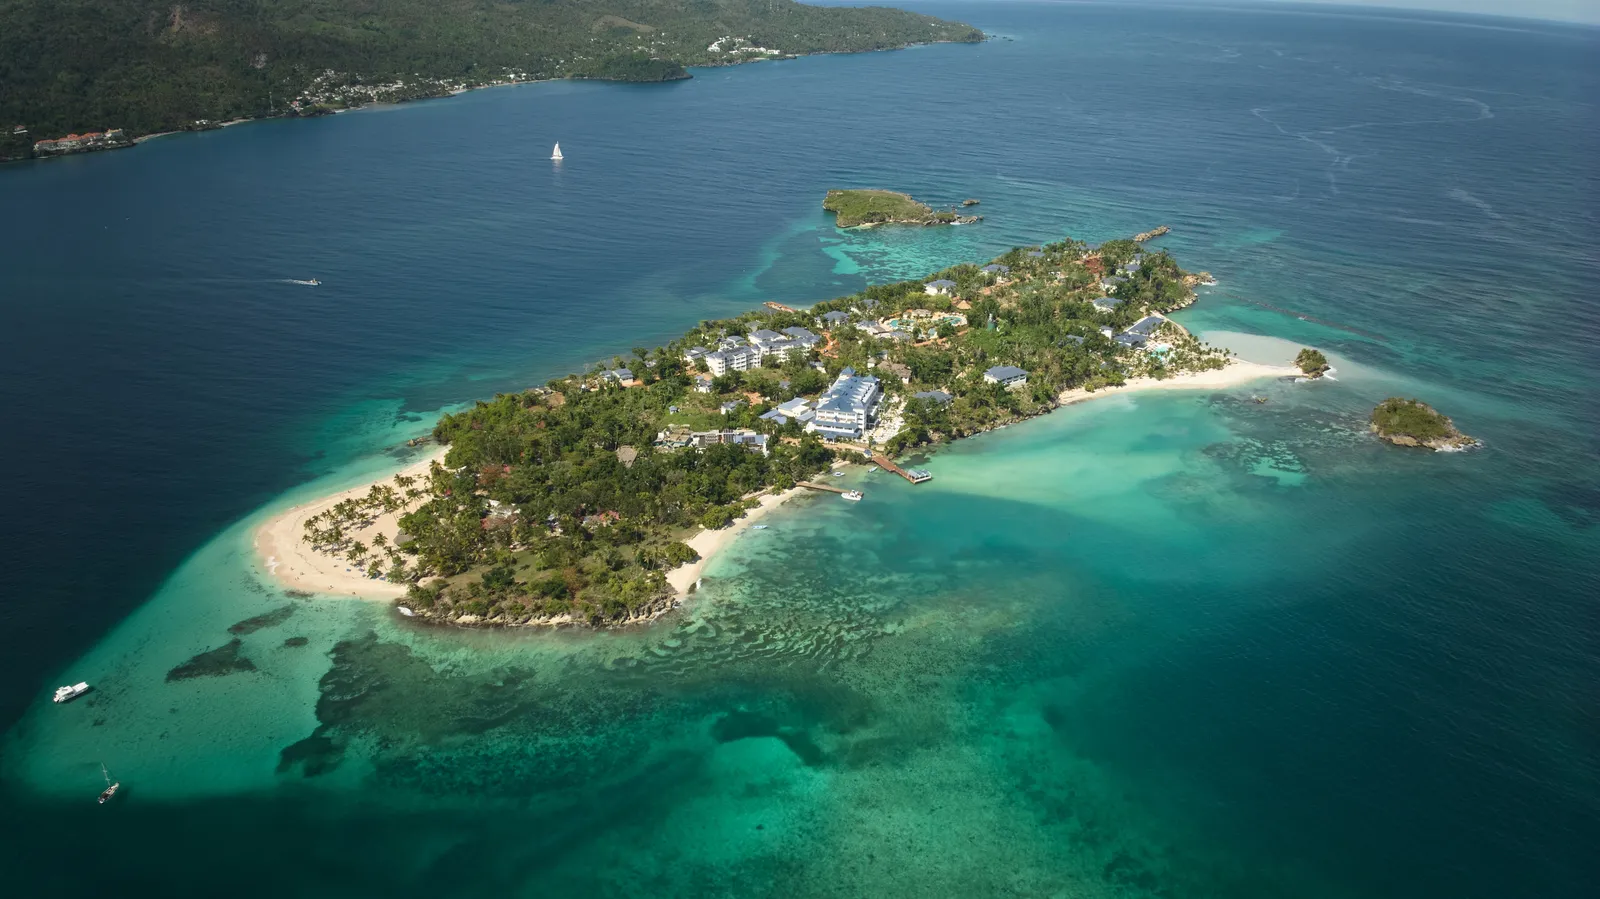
(1147, 326)
(739, 358)
(934, 396)
(995, 268)
(751, 440)
(1107, 304)
(940, 287)
(702, 383)
(694, 354)
(1008, 376)
(831, 319)
(765, 337)
(797, 409)
(802, 336)
(619, 375)
(898, 369)
(730, 407)
(845, 410)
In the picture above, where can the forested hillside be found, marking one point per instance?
(155, 65)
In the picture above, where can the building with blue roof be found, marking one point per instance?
(939, 287)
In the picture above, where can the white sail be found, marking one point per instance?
(557, 153)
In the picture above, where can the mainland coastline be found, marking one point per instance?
(530, 560)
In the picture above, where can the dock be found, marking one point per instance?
(915, 475)
(830, 489)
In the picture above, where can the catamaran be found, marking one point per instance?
(556, 155)
(111, 788)
(67, 694)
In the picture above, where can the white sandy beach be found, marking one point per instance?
(1237, 373)
(288, 556)
(709, 543)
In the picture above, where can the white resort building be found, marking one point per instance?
(845, 410)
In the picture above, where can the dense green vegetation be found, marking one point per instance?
(1311, 362)
(148, 66)
(869, 207)
(573, 499)
(1401, 420)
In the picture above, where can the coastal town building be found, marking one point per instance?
(939, 287)
(78, 143)
(702, 383)
(695, 354)
(1008, 376)
(845, 410)
(619, 375)
(830, 319)
(995, 268)
(1106, 304)
(934, 396)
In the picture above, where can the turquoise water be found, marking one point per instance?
(1179, 644)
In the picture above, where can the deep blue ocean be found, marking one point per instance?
(1168, 645)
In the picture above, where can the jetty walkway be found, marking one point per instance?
(915, 475)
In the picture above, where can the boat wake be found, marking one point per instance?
(307, 282)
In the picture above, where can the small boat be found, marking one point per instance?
(838, 474)
(852, 495)
(556, 154)
(407, 612)
(111, 788)
(872, 469)
(758, 527)
(67, 694)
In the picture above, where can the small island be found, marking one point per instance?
(597, 498)
(1312, 363)
(1405, 422)
(866, 208)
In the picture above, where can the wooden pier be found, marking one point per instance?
(916, 476)
(809, 485)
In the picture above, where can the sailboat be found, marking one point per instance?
(556, 155)
(111, 788)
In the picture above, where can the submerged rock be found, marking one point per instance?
(219, 662)
(268, 619)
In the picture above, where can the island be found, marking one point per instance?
(141, 67)
(1409, 422)
(1312, 363)
(597, 498)
(868, 208)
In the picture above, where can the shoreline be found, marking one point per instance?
(708, 543)
(455, 92)
(285, 557)
(1236, 373)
